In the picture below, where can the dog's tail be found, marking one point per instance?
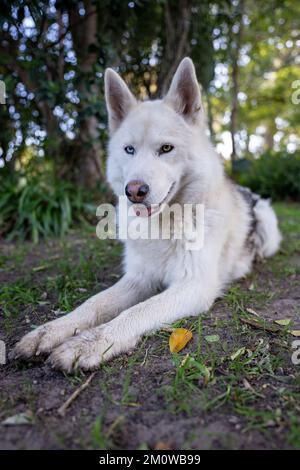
(268, 234)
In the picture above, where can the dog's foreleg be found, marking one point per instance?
(91, 347)
(98, 309)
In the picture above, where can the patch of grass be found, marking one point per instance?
(238, 299)
(76, 269)
(99, 440)
(16, 298)
(103, 437)
(246, 374)
(293, 437)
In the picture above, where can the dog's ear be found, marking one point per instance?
(119, 99)
(184, 93)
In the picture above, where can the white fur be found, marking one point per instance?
(163, 282)
(267, 229)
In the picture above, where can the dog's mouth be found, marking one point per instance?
(143, 210)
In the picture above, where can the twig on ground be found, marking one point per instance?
(62, 410)
(145, 358)
(261, 326)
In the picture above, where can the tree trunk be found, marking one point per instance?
(177, 27)
(210, 121)
(236, 41)
(247, 143)
(85, 152)
(269, 136)
(32, 83)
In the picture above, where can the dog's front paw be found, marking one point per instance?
(88, 350)
(42, 340)
(28, 345)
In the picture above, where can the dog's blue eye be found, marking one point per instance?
(129, 149)
(166, 148)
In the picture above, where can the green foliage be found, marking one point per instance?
(267, 76)
(273, 175)
(53, 72)
(55, 110)
(33, 206)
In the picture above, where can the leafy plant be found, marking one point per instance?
(33, 207)
(273, 175)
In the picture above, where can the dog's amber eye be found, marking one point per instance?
(129, 149)
(166, 148)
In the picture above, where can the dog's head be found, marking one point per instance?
(150, 142)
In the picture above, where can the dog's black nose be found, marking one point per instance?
(136, 191)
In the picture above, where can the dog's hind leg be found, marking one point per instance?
(98, 309)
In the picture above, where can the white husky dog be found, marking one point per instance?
(159, 152)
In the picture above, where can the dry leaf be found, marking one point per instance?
(253, 312)
(283, 322)
(19, 419)
(179, 339)
(212, 338)
(185, 359)
(262, 325)
(206, 372)
(294, 332)
(247, 385)
(237, 353)
(160, 445)
(37, 269)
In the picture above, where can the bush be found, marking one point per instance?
(273, 175)
(32, 206)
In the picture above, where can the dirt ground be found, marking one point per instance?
(234, 385)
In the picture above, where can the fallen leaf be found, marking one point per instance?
(184, 360)
(37, 269)
(212, 338)
(160, 445)
(115, 276)
(283, 322)
(253, 312)
(270, 423)
(206, 373)
(247, 385)
(167, 329)
(19, 419)
(294, 332)
(58, 312)
(179, 339)
(262, 325)
(237, 353)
